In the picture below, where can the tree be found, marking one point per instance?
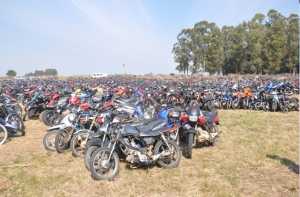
(182, 51)
(51, 72)
(275, 40)
(292, 45)
(11, 73)
(208, 47)
(264, 44)
(255, 42)
(39, 73)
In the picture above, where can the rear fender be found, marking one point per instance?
(81, 131)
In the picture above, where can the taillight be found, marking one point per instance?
(184, 117)
(216, 119)
(85, 106)
(201, 120)
(100, 119)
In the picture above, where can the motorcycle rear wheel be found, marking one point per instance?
(168, 161)
(49, 144)
(88, 155)
(189, 145)
(3, 134)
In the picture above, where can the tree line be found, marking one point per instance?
(36, 73)
(46, 72)
(266, 44)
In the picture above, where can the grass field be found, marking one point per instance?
(257, 155)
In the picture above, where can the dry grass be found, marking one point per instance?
(257, 155)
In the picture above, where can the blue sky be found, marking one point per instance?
(85, 36)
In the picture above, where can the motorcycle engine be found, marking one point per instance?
(202, 135)
(149, 140)
(134, 156)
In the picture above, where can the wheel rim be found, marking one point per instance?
(172, 157)
(61, 140)
(3, 135)
(79, 144)
(50, 141)
(15, 120)
(102, 166)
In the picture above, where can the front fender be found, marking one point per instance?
(57, 127)
(94, 142)
(187, 131)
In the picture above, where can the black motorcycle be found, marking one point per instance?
(198, 127)
(34, 107)
(140, 145)
(11, 124)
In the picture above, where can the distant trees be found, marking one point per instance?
(265, 44)
(11, 73)
(46, 72)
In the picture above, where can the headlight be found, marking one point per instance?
(71, 117)
(116, 120)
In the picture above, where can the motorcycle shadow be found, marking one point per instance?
(140, 166)
(291, 165)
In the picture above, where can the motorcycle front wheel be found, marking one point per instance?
(189, 145)
(16, 120)
(87, 157)
(49, 140)
(61, 141)
(3, 134)
(103, 168)
(78, 143)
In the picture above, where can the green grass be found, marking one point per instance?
(257, 155)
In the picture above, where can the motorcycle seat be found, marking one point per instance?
(130, 130)
(150, 133)
(150, 128)
(131, 100)
(152, 125)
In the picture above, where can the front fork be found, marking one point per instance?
(165, 141)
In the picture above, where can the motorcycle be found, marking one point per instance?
(141, 145)
(198, 128)
(10, 124)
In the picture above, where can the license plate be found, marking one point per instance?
(193, 118)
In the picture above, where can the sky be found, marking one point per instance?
(99, 36)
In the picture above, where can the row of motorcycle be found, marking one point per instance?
(134, 128)
(267, 99)
(154, 124)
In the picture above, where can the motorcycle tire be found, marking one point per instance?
(3, 134)
(79, 140)
(61, 143)
(88, 155)
(274, 106)
(47, 117)
(114, 164)
(16, 118)
(49, 144)
(189, 145)
(165, 162)
(31, 114)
